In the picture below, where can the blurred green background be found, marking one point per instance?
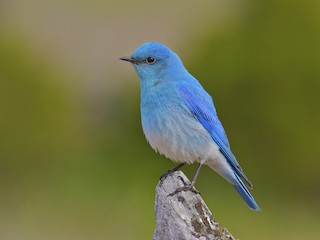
(74, 163)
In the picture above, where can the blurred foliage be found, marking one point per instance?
(265, 76)
(266, 79)
(64, 175)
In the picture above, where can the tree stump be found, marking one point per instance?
(184, 216)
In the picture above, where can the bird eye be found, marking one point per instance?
(150, 60)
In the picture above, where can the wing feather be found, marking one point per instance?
(201, 106)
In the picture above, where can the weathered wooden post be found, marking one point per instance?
(184, 216)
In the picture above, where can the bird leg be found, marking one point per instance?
(189, 187)
(164, 176)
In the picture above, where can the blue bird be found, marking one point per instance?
(179, 119)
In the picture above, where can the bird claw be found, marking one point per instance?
(170, 171)
(188, 187)
(165, 175)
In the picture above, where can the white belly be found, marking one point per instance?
(181, 137)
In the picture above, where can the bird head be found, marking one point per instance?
(154, 61)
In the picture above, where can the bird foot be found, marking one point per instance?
(165, 175)
(185, 188)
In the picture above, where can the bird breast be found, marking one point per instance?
(172, 130)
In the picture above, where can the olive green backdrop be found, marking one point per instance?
(74, 163)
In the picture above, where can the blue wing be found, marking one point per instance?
(200, 103)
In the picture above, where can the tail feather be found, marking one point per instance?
(245, 194)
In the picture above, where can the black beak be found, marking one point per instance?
(129, 59)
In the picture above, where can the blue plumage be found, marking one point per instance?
(204, 111)
(179, 119)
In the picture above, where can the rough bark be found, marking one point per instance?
(184, 216)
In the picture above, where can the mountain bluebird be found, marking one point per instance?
(179, 119)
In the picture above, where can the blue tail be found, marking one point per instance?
(245, 194)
